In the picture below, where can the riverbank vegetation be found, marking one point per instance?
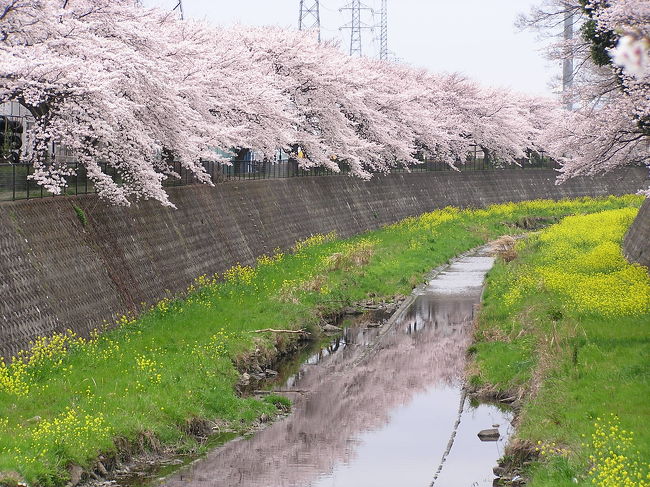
(147, 381)
(565, 329)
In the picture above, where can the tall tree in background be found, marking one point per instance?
(610, 127)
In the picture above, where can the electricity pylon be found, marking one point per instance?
(356, 26)
(179, 7)
(309, 16)
(383, 37)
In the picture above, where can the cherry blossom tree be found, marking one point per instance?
(123, 85)
(130, 89)
(610, 127)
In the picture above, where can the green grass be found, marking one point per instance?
(567, 324)
(70, 399)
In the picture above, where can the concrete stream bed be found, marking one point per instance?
(381, 405)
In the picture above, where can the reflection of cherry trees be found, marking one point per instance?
(426, 347)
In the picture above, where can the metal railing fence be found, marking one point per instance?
(16, 184)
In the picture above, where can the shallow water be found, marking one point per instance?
(377, 406)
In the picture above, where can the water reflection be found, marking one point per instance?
(385, 421)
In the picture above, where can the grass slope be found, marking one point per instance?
(69, 399)
(566, 325)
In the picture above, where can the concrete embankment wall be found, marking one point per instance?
(637, 240)
(56, 274)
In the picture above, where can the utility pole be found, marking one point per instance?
(356, 26)
(567, 63)
(383, 37)
(309, 16)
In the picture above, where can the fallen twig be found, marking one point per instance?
(271, 330)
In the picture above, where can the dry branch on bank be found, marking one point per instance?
(271, 330)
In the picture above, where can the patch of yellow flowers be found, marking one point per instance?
(545, 448)
(581, 261)
(150, 368)
(613, 461)
(72, 430)
(265, 260)
(431, 220)
(47, 353)
(15, 378)
(508, 210)
(242, 274)
(317, 239)
(216, 346)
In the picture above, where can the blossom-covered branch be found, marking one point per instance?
(611, 87)
(131, 89)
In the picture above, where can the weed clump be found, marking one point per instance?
(504, 248)
(81, 215)
(351, 255)
(280, 402)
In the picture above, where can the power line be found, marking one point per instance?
(356, 26)
(309, 16)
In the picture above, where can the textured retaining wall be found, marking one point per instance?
(56, 274)
(637, 240)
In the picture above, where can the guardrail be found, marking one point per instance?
(16, 184)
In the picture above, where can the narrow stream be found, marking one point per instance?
(379, 406)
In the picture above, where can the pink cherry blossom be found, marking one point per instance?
(610, 127)
(125, 89)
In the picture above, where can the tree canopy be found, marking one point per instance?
(128, 88)
(610, 127)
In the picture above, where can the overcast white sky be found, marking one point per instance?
(475, 37)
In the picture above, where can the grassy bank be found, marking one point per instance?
(69, 399)
(566, 327)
